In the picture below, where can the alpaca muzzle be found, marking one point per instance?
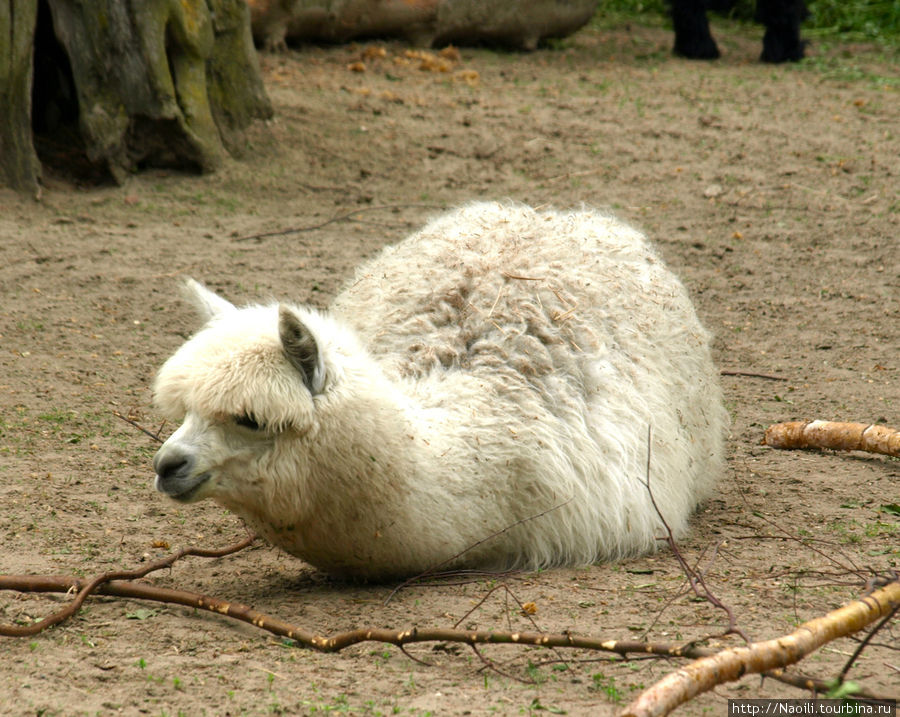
(175, 474)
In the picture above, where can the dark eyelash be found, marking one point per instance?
(247, 421)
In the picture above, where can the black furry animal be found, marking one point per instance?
(782, 19)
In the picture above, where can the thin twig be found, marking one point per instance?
(521, 278)
(338, 218)
(508, 594)
(477, 605)
(432, 572)
(334, 643)
(491, 665)
(751, 374)
(842, 675)
(680, 593)
(154, 436)
(406, 652)
(851, 568)
(695, 579)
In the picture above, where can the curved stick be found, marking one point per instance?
(29, 583)
(399, 638)
(334, 643)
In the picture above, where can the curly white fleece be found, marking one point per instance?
(501, 365)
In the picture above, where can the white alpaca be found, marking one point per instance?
(500, 364)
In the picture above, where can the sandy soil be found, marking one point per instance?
(773, 192)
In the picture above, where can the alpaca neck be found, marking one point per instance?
(380, 432)
(378, 479)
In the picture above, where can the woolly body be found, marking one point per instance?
(500, 365)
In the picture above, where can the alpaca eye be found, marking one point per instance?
(247, 421)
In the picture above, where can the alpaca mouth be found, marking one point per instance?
(180, 492)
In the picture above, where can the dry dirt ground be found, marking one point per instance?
(773, 192)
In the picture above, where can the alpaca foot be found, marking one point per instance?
(697, 49)
(782, 48)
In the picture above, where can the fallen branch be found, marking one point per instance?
(835, 435)
(399, 638)
(126, 588)
(334, 643)
(84, 588)
(702, 675)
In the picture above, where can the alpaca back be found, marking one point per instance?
(563, 340)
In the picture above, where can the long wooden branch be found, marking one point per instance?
(334, 643)
(702, 675)
(340, 641)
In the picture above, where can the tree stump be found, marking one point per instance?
(122, 84)
(19, 161)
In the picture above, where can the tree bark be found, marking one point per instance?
(147, 82)
(18, 159)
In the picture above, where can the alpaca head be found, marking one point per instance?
(244, 385)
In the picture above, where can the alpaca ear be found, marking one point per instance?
(208, 302)
(301, 349)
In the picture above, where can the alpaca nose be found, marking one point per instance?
(176, 473)
(171, 465)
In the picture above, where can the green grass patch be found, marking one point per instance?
(844, 20)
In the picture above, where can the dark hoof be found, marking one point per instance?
(697, 51)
